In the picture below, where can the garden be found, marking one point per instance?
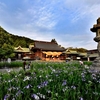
(50, 81)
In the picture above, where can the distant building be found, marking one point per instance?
(51, 51)
(92, 54)
(41, 50)
(75, 55)
(48, 51)
(23, 53)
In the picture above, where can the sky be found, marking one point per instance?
(66, 21)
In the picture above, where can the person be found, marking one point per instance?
(29, 64)
(24, 65)
(81, 62)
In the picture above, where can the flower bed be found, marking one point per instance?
(51, 81)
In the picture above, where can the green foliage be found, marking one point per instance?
(6, 44)
(88, 63)
(54, 40)
(6, 51)
(5, 38)
(13, 40)
(16, 64)
(81, 50)
(22, 41)
(11, 65)
(78, 49)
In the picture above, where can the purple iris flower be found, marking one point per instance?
(36, 97)
(64, 83)
(43, 84)
(6, 96)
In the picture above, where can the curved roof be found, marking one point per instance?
(47, 46)
(20, 49)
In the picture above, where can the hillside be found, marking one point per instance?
(14, 40)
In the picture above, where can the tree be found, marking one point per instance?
(53, 40)
(6, 51)
(6, 44)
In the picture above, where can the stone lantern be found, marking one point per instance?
(96, 29)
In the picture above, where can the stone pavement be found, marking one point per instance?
(3, 70)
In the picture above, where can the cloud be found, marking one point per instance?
(46, 19)
(68, 21)
(82, 9)
(39, 16)
(80, 40)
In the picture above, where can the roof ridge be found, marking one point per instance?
(45, 42)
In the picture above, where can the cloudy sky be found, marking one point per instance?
(67, 21)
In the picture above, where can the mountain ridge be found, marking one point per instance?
(14, 40)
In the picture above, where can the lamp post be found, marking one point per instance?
(96, 29)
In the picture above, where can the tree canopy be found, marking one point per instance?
(54, 40)
(6, 51)
(14, 40)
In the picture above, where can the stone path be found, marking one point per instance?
(10, 69)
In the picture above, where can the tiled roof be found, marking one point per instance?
(71, 52)
(94, 55)
(75, 52)
(48, 46)
(83, 54)
(20, 49)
